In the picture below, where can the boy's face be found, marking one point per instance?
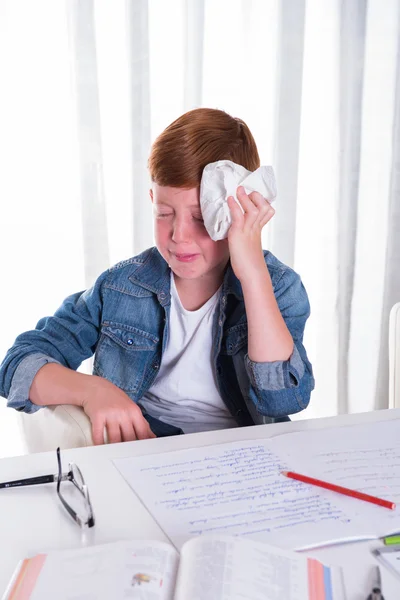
(181, 237)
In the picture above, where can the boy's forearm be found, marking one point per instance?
(54, 384)
(269, 339)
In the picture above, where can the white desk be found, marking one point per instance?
(32, 519)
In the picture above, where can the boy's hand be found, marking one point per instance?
(244, 235)
(109, 407)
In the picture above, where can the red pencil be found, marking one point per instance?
(340, 489)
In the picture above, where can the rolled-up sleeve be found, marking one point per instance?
(276, 375)
(24, 375)
(282, 388)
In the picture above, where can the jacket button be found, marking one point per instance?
(156, 366)
(223, 300)
(129, 342)
(162, 296)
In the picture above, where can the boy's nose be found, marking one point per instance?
(181, 231)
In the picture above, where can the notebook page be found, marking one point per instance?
(222, 568)
(232, 489)
(237, 488)
(360, 457)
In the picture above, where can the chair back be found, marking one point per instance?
(65, 426)
(394, 357)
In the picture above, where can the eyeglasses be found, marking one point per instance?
(84, 516)
(75, 476)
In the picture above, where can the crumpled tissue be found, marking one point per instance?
(219, 181)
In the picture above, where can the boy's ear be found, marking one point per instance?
(151, 195)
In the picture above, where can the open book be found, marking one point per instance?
(208, 568)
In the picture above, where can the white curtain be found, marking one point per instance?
(86, 86)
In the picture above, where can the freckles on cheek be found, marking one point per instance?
(161, 230)
(203, 237)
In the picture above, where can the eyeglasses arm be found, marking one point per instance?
(29, 481)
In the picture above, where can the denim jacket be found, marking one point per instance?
(123, 319)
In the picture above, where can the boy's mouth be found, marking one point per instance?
(186, 257)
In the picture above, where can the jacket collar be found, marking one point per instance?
(153, 274)
(152, 271)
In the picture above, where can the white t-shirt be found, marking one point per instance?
(184, 392)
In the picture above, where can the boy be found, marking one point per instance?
(188, 336)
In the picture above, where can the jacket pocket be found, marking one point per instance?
(124, 354)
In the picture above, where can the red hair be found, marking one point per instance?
(197, 138)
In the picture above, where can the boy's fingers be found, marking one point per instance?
(236, 212)
(142, 429)
(98, 433)
(258, 199)
(267, 216)
(113, 433)
(241, 193)
(252, 212)
(247, 205)
(265, 210)
(233, 205)
(128, 432)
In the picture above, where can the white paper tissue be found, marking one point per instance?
(221, 180)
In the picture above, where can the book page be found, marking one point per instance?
(222, 568)
(122, 570)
